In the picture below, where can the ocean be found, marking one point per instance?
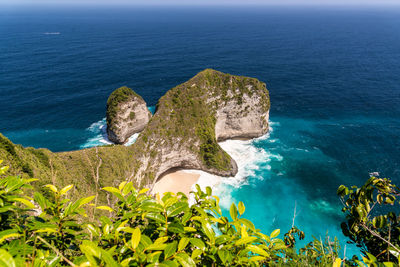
(333, 74)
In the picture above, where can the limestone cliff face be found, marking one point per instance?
(192, 117)
(127, 114)
(247, 118)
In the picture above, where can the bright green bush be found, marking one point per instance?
(142, 230)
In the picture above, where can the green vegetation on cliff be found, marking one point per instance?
(40, 226)
(137, 231)
(88, 169)
(23, 161)
(185, 120)
(183, 128)
(117, 97)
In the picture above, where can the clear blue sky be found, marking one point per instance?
(205, 2)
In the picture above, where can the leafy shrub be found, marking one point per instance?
(371, 219)
(142, 231)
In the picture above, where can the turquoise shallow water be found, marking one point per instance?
(285, 174)
(333, 76)
(278, 173)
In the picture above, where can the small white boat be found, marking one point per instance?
(373, 174)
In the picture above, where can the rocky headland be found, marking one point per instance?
(191, 118)
(184, 132)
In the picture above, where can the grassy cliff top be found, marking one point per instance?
(88, 169)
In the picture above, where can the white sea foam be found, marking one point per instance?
(249, 159)
(247, 155)
(99, 132)
(51, 33)
(131, 139)
(100, 138)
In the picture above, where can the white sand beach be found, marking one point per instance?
(179, 181)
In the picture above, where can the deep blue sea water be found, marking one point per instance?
(333, 76)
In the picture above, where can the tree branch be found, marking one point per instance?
(56, 251)
(378, 236)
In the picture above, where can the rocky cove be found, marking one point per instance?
(191, 118)
(184, 132)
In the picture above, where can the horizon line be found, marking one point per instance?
(52, 4)
(288, 3)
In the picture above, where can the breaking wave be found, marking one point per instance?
(99, 134)
(100, 138)
(249, 159)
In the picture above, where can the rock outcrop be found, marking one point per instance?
(127, 114)
(245, 118)
(192, 117)
(183, 133)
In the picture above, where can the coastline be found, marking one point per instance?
(242, 151)
(246, 155)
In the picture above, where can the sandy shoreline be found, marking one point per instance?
(179, 181)
(182, 180)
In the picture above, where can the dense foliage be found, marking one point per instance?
(372, 220)
(141, 230)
